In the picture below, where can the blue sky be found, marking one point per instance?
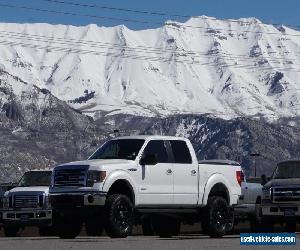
(274, 11)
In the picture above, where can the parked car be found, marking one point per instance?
(248, 208)
(149, 179)
(281, 196)
(28, 203)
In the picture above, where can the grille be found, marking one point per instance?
(286, 194)
(26, 201)
(70, 178)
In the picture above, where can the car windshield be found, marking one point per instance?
(119, 149)
(287, 170)
(35, 178)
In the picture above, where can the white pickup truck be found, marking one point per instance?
(249, 203)
(147, 179)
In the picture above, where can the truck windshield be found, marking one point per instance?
(119, 149)
(287, 170)
(35, 178)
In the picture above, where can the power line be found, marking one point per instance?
(170, 24)
(118, 9)
(76, 14)
(157, 13)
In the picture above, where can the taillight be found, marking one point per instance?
(239, 177)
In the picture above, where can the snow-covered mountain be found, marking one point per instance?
(225, 69)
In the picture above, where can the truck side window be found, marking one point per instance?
(157, 148)
(181, 152)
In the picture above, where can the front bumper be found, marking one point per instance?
(77, 199)
(281, 210)
(27, 217)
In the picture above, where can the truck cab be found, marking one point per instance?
(28, 203)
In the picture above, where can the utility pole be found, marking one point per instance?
(255, 155)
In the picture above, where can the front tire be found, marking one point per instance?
(217, 219)
(11, 231)
(119, 216)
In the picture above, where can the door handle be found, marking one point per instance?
(193, 172)
(169, 171)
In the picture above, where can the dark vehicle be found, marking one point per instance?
(281, 196)
(28, 204)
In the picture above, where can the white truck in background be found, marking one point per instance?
(248, 208)
(153, 180)
(27, 204)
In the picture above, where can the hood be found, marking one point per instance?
(97, 163)
(39, 189)
(282, 182)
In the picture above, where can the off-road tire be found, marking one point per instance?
(119, 216)
(217, 219)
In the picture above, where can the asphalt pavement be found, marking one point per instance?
(188, 242)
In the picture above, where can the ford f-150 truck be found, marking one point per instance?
(131, 178)
(281, 196)
(28, 203)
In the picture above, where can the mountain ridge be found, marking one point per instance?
(225, 68)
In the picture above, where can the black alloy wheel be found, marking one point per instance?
(119, 216)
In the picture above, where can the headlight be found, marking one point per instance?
(5, 202)
(267, 194)
(47, 202)
(95, 176)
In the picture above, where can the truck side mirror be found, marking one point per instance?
(264, 179)
(149, 159)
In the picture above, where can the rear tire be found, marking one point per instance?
(11, 231)
(165, 226)
(119, 216)
(217, 219)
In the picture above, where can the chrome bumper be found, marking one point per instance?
(281, 210)
(26, 215)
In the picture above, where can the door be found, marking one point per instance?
(185, 174)
(156, 181)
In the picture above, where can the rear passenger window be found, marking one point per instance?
(157, 148)
(181, 152)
